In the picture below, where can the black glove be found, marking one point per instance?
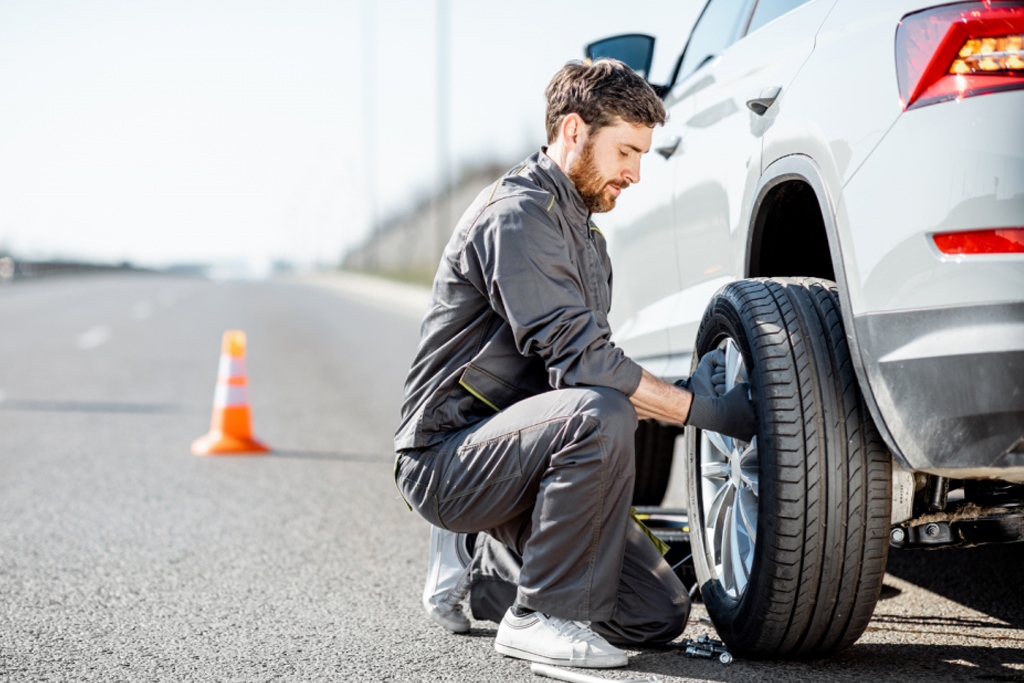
(731, 414)
(702, 381)
(718, 379)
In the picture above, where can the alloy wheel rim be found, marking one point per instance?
(729, 493)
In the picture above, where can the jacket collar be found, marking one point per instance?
(555, 181)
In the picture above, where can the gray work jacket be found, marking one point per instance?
(519, 306)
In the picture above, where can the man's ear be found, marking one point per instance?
(574, 131)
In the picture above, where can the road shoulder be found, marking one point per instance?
(400, 297)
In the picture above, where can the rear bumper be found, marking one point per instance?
(949, 385)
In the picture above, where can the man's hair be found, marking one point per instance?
(600, 92)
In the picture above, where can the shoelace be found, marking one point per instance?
(576, 630)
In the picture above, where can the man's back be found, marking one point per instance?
(524, 263)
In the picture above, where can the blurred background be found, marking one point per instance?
(240, 138)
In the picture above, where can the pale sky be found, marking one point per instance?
(235, 130)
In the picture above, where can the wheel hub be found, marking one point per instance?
(729, 493)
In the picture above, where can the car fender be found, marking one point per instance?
(800, 167)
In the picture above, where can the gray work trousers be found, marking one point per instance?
(551, 479)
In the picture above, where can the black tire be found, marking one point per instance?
(823, 501)
(655, 444)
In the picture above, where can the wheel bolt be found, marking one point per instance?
(932, 530)
(897, 536)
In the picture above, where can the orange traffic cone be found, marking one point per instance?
(231, 427)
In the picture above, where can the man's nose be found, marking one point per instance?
(632, 172)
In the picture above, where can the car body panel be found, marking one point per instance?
(846, 97)
(965, 172)
(640, 232)
(949, 383)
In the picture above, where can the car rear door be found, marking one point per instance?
(719, 160)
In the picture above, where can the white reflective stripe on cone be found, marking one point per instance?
(231, 367)
(230, 395)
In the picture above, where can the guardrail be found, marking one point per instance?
(16, 269)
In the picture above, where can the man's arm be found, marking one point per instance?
(661, 400)
(731, 414)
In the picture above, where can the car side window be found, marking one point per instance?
(719, 26)
(767, 10)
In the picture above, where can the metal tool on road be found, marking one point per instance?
(561, 674)
(707, 648)
(231, 426)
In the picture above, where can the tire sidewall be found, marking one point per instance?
(721, 320)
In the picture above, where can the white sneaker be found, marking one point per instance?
(550, 640)
(447, 579)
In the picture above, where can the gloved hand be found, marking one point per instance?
(702, 381)
(731, 414)
(718, 379)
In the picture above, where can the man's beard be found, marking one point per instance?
(589, 183)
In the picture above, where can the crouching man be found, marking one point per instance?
(519, 413)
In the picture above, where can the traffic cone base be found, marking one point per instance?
(219, 443)
(231, 426)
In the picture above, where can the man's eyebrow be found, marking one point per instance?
(632, 147)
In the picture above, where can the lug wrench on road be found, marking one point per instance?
(573, 677)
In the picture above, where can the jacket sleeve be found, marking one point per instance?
(518, 258)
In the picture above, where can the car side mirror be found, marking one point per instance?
(635, 49)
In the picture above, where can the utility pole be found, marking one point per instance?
(444, 174)
(373, 254)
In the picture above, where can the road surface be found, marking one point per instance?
(124, 557)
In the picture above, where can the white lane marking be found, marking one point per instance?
(92, 338)
(142, 310)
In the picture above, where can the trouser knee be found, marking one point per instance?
(668, 627)
(616, 420)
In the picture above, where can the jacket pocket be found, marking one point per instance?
(494, 392)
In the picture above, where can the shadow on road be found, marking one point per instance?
(89, 407)
(987, 579)
(861, 662)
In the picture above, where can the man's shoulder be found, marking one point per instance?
(518, 192)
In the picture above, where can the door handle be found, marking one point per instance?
(670, 147)
(759, 105)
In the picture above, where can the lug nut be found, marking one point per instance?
(725, 658)
(932, 530)
(897, 536)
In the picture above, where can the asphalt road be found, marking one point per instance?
(124, 557)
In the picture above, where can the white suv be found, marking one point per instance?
(837, 199)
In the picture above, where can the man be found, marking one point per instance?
(519, 413)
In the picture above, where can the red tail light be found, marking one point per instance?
(997, 241)
(956, 51)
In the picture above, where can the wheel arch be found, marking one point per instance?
(801, 171)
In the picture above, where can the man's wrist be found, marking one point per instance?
(700, 410)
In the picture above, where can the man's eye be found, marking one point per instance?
(623, 154)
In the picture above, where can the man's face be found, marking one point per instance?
(608, 163)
